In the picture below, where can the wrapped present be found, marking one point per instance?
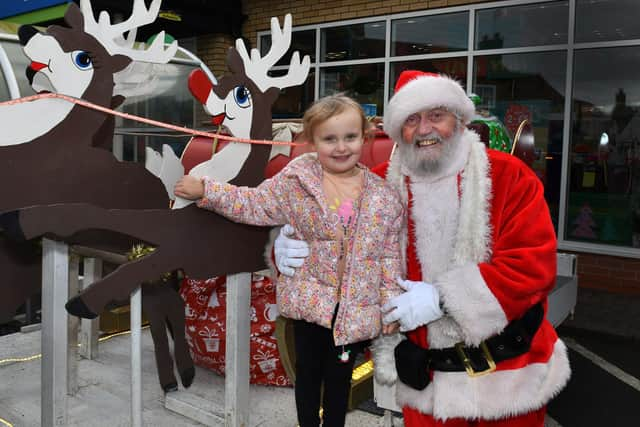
(205, 314)
(266, 361)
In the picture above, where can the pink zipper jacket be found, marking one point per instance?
(373, 258)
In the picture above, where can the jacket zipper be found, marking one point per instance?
(348, 256)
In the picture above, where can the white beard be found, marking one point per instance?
(420, 163)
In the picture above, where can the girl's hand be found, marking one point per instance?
(391, 328)
(189, 187)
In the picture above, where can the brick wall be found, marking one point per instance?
(614, 274)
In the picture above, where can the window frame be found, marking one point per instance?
(569, 47)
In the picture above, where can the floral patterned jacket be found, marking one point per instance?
(373, 258)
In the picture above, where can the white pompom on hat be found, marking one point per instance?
(418, 91)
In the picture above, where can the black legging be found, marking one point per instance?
(316, 364)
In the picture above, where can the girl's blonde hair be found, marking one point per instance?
(327, 107)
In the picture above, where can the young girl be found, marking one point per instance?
(351, 219)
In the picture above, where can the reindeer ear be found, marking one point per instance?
(73, 17)
(271, 95)
(119, 62)
(234, 62)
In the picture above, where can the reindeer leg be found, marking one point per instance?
(61, 220)
(21, 266)
(174, 306)
(118, 284)
(153, 304)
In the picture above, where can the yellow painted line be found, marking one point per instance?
(38, 356)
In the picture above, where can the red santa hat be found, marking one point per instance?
(417, 91)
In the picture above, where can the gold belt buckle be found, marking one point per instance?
(466, 361)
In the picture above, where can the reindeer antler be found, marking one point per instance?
(256, 67)
(112, 35)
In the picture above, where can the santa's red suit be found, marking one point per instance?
(479, 230)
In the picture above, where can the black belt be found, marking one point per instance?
(414, 363)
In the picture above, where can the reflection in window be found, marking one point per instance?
(293, 101)
(19, 64)
(530, 86)
(357, 41)
(604, 187)
(430, 34)
(452, 67)
(518, 26)
(364, 83)
(134, 143)
(302, 41)
(602, 20)
(4, 89)
(163, 96)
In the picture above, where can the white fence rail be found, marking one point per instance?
(60, 337)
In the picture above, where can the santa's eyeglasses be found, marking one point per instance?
(434, 116)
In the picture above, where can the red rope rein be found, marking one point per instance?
(106, 110)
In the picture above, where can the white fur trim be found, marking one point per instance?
(384, 361)
(423, 93)
(471, 304)
(435, 215)
(473, 242)
(498, 395)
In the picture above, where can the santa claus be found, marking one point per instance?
(480, 252)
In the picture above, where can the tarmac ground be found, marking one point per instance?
(603, 339)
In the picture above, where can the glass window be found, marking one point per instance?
(303, 41)
(357, 41)
(529, 86)
(518, 26)
(293, 101)
(430, 34)
(604, 187)
(163, 97)
(607, 20)
(364, 83)
(19, 63)
(4, 89)
(453, 67)
(134, 143)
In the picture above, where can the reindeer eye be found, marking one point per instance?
(242, 96)
(82, 60)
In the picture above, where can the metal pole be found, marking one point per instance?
(55, 283)
(136, 358)
(236, 401)
(89, 328)
(73, 324)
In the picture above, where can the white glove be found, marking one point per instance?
(289, 252)
(419, 305)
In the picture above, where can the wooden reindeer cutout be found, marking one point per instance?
(241, 101)
(47, 153)
(199, 242)
(52, 159)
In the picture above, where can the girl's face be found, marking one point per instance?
(338, 142)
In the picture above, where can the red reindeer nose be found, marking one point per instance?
(37, 66)
(199, 85)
